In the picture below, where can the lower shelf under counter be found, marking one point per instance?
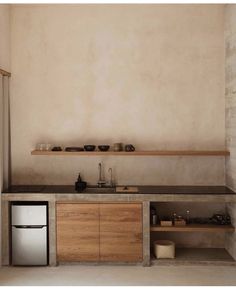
(197, 256)
(194, 228)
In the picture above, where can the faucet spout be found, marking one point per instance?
(112, 184)
(99, 171)
(100, 181)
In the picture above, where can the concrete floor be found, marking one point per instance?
(82, 275)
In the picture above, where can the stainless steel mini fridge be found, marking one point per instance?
(29, 234)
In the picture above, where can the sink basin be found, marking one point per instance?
(118, 189)
(91, 189)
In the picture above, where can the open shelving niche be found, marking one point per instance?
(191, 255)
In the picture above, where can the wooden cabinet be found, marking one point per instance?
(121, 232)
(99, 232)
(77, 232)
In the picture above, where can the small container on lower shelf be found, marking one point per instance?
(164, 249)
(166, 223)
(180, 223)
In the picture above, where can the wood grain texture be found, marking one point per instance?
(136, 153)
(121, 232)
(193, 228)
(77, 232)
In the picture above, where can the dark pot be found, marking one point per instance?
(129, 148)
(103, 147)
(89, 147)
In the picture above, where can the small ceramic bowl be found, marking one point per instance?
(74, 149)
(57, 148)
(103, 147)
(89, 147)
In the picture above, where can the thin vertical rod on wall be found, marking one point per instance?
(6, 134)
(1, 133)
(9, 134)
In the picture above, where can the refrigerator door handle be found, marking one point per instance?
(29, 227)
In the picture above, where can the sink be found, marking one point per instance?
(118, 189)
(95, 189)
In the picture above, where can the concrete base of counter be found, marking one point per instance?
(53, 198)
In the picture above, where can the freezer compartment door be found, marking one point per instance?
(29, 246)
(29, 215)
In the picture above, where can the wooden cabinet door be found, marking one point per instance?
(121, 232)
(77, 232)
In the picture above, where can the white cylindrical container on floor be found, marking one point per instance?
(164, 249)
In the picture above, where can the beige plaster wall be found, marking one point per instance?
(5, 37)
(150, 75)
(4, 64)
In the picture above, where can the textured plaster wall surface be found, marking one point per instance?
(230, 96)
(5, 36)
(4, 64)
(151, 75)
(230, 92)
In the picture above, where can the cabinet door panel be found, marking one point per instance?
(121, 232)
(77, 232)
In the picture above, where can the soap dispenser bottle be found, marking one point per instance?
(79, 184)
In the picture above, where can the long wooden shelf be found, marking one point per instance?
(136, 153)
(194, 228)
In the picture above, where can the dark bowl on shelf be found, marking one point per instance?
(74, 149)
(57, 148)
(89, 147)
(103, 147)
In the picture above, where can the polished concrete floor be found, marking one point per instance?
(118, 275)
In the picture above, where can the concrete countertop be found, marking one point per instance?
(206, 190)
(146, 194)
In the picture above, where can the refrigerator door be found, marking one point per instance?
(29, 246)
(29, 215)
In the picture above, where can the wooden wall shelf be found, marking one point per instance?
(194, 228)
(135, 153)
